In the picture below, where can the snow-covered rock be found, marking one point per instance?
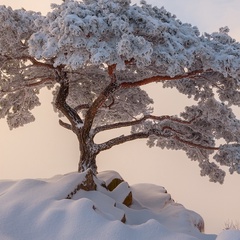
(59, 208)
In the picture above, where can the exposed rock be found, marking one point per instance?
(88, 184)
(123, 220)
(128, 200)
(114, 183)
(111, 178)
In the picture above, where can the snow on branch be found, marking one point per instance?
(140, 121)
(195, 145)
(190, 75)
(101, 53)
(229, 155)
(156, 132)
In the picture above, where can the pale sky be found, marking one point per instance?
(43, 149)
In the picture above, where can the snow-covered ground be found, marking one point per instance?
(59, 209)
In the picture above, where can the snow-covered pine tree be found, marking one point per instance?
(97, 54)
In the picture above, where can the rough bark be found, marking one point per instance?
(88, 153)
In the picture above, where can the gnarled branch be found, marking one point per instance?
(122, 139)
(159, 133)
(141, 120)
(62, 105)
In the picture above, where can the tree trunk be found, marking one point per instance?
(88, 149)
(88, 154)
(87, 160)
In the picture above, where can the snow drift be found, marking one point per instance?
(63, 208)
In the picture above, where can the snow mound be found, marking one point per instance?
(81, 206)
(229, 235)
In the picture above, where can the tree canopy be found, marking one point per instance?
(96, 55)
